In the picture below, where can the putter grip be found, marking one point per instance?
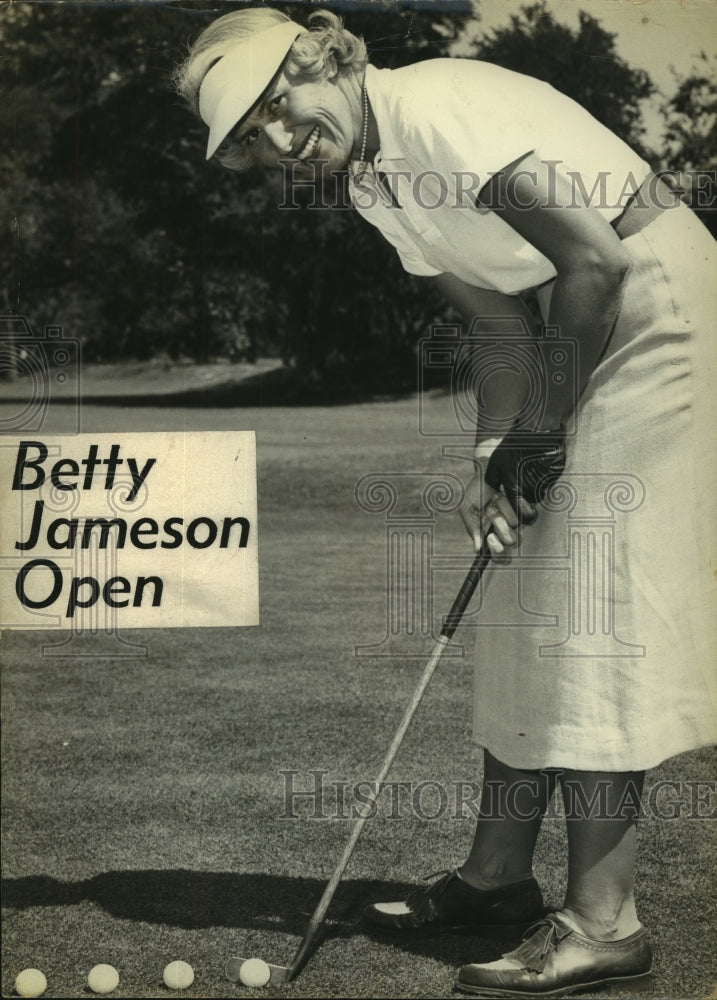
(452, 619)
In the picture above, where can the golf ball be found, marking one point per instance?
(178, 975)
(255, 972)
(103, 979)
(30, 983)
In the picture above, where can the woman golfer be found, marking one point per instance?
(594, 660)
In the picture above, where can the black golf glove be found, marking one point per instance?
(525, 465)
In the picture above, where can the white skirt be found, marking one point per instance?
(595, 645)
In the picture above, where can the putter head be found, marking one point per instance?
(278, 973)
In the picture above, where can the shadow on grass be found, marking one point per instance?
(197, 900)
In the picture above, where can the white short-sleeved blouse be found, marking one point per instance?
(446, 126)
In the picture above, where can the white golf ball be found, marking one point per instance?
(255, 972)
(103, 979)
(30, 983)
(178, 975)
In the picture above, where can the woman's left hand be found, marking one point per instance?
(524, 466)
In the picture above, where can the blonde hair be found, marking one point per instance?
(307, 59)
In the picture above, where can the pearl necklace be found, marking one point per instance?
(360, 171)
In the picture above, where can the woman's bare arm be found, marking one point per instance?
(591, 265)
(504, 392)
(589, 258)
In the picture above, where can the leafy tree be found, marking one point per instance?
(690, 138)
(581, 63)
(115, 221)
(691, 120)
(124, 228)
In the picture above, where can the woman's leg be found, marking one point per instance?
(601, 813)
(513, 802)
(602, 809)
(495, 886)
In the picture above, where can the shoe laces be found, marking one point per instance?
(539, 942)
(443, 872)
(423, 901)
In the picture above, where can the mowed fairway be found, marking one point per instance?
(144, 805)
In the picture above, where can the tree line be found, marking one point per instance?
(116, 228)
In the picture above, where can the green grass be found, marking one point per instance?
(142, 797)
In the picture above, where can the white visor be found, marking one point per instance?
(235, 83)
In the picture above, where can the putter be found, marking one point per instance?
(285, 973)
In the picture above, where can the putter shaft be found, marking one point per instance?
(284, 974)
(450, 624)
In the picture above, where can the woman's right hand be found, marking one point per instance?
(487, 514)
